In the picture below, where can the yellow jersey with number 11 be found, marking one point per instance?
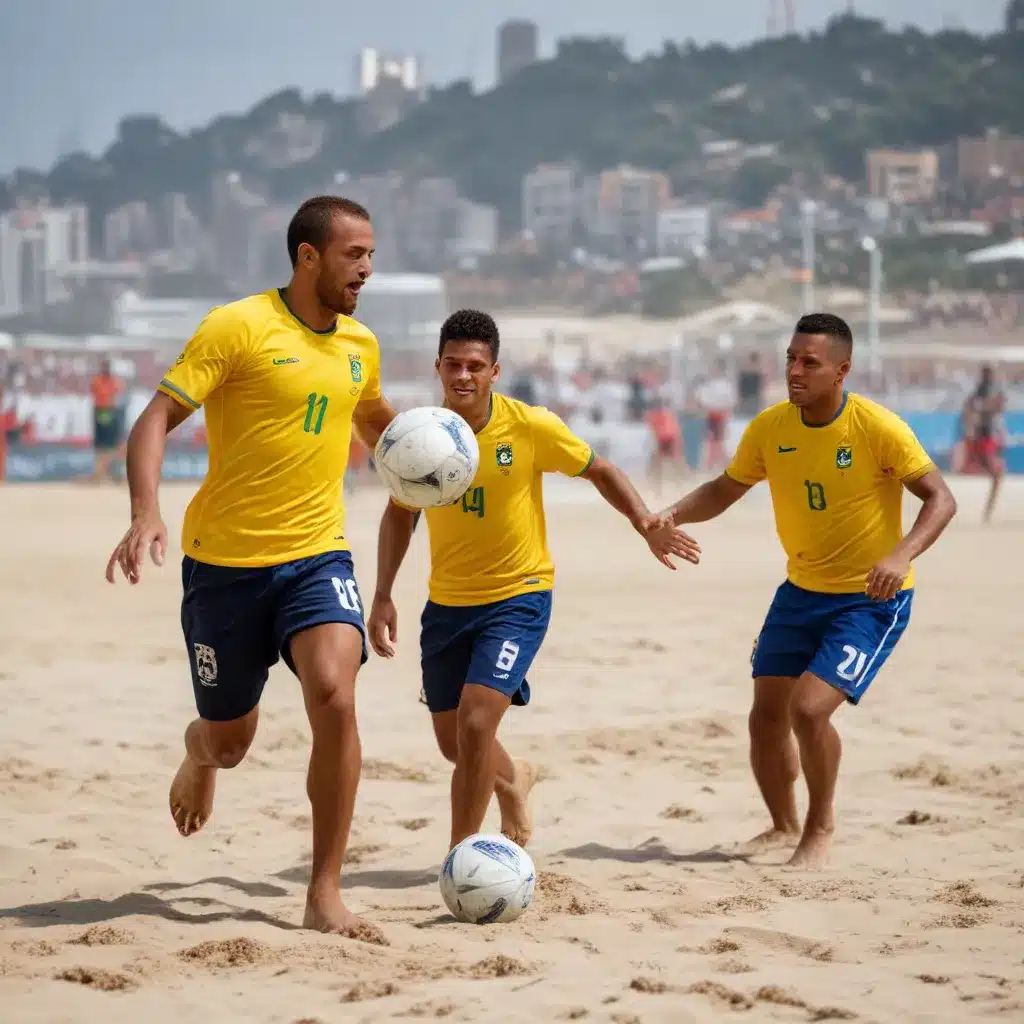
(278, 399)
(837, 488)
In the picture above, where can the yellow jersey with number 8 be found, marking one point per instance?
(837, 488)
(278, 399)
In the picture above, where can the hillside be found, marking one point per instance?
(823, 99)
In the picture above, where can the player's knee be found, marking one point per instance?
(809, 715)
(477, 728)
(227, 743)
(332, 699)
(229, 755)
(769, 716)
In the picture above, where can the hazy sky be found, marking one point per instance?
(70, 69)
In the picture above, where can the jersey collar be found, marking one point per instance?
(295, 316)
(818, 426)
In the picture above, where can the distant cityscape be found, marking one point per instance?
(620, 219)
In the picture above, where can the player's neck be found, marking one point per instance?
(480, 415)
(308, 310)
(825, 411)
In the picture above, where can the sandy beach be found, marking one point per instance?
(638, 721)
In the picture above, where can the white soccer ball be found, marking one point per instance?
(487, 879)
(427, 457)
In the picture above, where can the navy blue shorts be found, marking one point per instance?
(843, 639)
(237, 622)
(488, 644)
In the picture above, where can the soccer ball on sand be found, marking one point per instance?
(487, 879)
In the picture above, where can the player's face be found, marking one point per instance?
(467, 373)
(345, 264)
(813, 371)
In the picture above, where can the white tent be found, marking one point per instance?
(998, 253)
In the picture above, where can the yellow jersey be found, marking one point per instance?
(492, 543)
(837, 488)
(279, 399)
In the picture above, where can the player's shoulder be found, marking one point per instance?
(513, 412)
(239, 320)
(873, 417)
(357, 332)
(775, 417)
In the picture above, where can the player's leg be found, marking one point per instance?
(320, 632)
(513, 781)
(226, 620)
(995, 468)
(773, 759)
(784, 648)
(821, 749)
(857, 643)
(505, 645)
(448, 639)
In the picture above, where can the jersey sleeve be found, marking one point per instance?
(900, 454)
(556, 448)
(219, 345)
(747, 465)
(371, 390)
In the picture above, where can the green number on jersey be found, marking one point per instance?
(473, 501)
(316, 406)
(815, 496)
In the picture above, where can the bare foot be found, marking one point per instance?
(812, 853)
(771, 839)
(514, 802)
(326, 913)
(191, 796)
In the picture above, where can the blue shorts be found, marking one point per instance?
(843, 639)
(488, 644)
(237, 622)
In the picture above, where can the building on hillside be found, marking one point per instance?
(550, 204)
(903, 177)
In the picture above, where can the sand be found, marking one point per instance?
(639, 724)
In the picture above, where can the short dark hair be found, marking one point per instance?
(470, 325)
(832, 326)
(311, 223)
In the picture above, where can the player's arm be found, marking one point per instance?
(217, 346)
(711, 499)
(901, 455)
(374, 412)
(559, 450)
(396, 529)
(371, 419)
(708, 501)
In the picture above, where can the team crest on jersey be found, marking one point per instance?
(206, 664)
(355, 364)
(844, 457)
(503, 454)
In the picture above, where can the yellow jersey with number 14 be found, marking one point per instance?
(492, 544)
(837, 488)
(278, 399)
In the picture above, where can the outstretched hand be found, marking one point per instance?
(666, 540)
(147, 533)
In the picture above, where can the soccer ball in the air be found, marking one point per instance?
(427, 457)
(487, 879)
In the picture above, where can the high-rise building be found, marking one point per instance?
(550, 203)
(517, 47)
(37, 245)
(388, 86)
